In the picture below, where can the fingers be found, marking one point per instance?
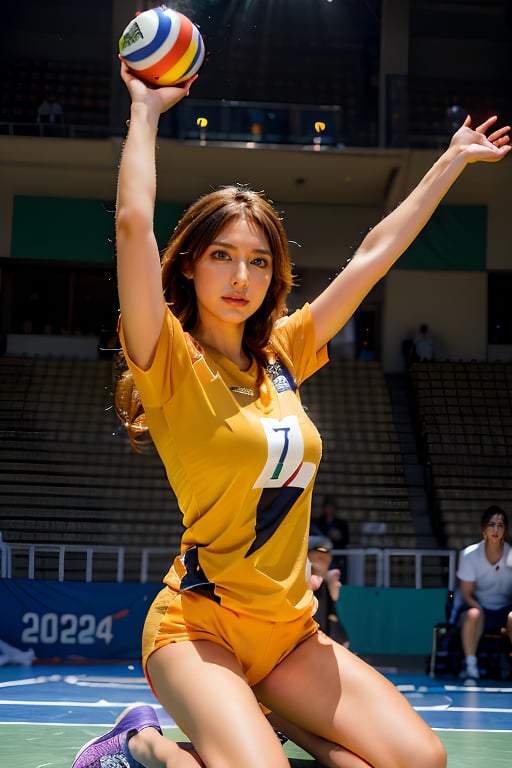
(315, 582)
(486, 124)
(186, 85)
(128, 75)
(499, 132)
(484, 127)
(500, 137)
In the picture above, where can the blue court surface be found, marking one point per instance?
(48, 712)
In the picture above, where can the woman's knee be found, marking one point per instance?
(437, 753)
(429, 753)
(473, 617)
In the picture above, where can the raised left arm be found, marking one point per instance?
(386, 242)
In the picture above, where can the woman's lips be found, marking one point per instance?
(235, 301)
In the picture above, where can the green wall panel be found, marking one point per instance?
(62, 229)
(455, 238)
(397, 620)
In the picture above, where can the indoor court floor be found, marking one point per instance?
(48, 712)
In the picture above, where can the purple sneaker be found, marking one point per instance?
(111, 750)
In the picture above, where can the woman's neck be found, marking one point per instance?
(493, 551)
(228, 345)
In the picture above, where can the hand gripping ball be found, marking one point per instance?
(162, 46)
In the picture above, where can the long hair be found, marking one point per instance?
(195, 231)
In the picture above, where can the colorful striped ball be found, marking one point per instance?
(162, 46)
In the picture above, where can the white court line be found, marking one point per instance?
(110, 682)
(484, 710)
(411, 687)
(433, 708)
(59, 724)
(473, 730)
(31, 681)
(476, 688)
(60, 703)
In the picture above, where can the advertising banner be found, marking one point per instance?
(73, 622)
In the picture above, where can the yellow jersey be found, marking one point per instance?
(241, 463)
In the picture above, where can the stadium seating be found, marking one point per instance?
(69, 475)
(82, 89)
(67, 471)
(362, 465)
(465, 419)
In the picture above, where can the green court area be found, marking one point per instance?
(44, 746)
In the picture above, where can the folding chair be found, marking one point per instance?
(494, 649)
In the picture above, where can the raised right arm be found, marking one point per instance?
(139, 279)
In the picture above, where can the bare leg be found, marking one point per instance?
(471, 631)
(201, 685)
(325, 689)
(153, 750)
(325, 752)
(508, 627)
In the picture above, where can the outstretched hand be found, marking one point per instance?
(160, 98)
(478, 145)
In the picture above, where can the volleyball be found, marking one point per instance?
(162, 46)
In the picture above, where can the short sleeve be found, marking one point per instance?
(157, 385)
(294, 339)
(467, 561)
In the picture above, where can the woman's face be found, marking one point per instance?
(232, 276)
(320, 562)
(494, 529)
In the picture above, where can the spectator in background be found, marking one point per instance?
(328, 524)
(11, 655)
(424, 345)
(320, 557)
(50, 110)
(484, 598)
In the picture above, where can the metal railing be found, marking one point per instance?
(426, 565)
(225, 121)
(365, 566)
(30, 551)
(420, 556)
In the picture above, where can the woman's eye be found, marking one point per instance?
(260, 261)
(220, 255)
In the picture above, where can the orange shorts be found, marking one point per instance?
(257, 644)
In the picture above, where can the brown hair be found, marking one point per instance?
(192, 235)
(489, 513)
